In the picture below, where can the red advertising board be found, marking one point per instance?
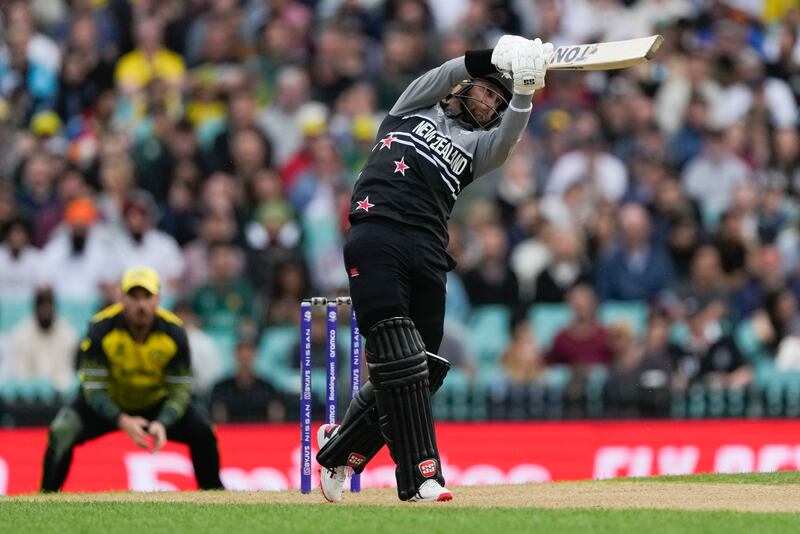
(267, 456)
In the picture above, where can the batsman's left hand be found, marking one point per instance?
(158, 433)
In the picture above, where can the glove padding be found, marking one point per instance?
(503, 51)
(529, 61)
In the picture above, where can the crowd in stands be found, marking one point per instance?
(640, 250)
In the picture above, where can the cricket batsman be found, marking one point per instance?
(135, 376)
(453, 124)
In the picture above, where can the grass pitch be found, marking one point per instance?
(704, 503)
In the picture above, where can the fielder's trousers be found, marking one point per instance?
(78, 423)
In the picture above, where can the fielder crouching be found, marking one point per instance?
(135, 375)
(450, 126)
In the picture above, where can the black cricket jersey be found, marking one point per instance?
(423, 159)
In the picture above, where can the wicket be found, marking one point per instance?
(331, 312)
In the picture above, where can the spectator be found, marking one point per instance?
(215, 227)
(584, 341)
(280, 120)
(716, 160)
(522, 362)
(78, 261)
(143, 244)
(709, 356)
(149, 61)
(225, 303)
(766, 276)
(733, 247)
(44, 345)
(603, 174)
(706, 283)
(492, 281)
(639, 269)
(20, 262)
(207, 362)
(291, 287)
(244, 397)
(567, 269)
(241, 147)
(639, 380)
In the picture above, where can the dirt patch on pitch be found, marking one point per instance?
(617, 495)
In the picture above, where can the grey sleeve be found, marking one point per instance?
(431, 87)
(493, 147)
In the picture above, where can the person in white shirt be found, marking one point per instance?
(207, 363)
(43, 345)
(19, 261)
(604, 174)
(78, 260)
(143, 244)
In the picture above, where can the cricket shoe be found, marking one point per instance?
(431, 491)
(331, 479)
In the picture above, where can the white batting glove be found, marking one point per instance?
(529, 63)
(501, 55)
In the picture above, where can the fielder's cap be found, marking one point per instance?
(143, 277)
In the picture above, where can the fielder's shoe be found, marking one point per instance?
(431, 491)
(331, 480)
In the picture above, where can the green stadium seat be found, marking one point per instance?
(226, 344)
(78, 313)
(489, 333)
(747, 341)
(595, 391)
(547, 320)
(12, 311)
(28, 390)
(634, 313)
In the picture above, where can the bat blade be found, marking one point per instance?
(605, 56)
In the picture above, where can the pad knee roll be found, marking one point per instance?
(396, 355)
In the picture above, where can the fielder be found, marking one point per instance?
(135, 375)
(452, 125)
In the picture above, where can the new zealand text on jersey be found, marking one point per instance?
(455, 159)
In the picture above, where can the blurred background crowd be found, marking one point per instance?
(638, 255)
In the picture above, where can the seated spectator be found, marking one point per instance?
(225, 303)
(638, 269)
(522, 362)
(584, 341)
(143, 244)
(245, 397)
(567, 269)
(44, 345)
(717, 160)
(207, 364)
(708, 355)
(215, 227)
(19, 261)
(77, 261)
(733, 246)
(638, 382)
(150, 60)
(766, 276)
(291, 286)
(706, 282)
(492, 281)
(604, 174)
(777, 327)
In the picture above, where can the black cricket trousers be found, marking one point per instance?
(78, 423)
(397, 270)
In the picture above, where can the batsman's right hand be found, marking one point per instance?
(529, 65)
